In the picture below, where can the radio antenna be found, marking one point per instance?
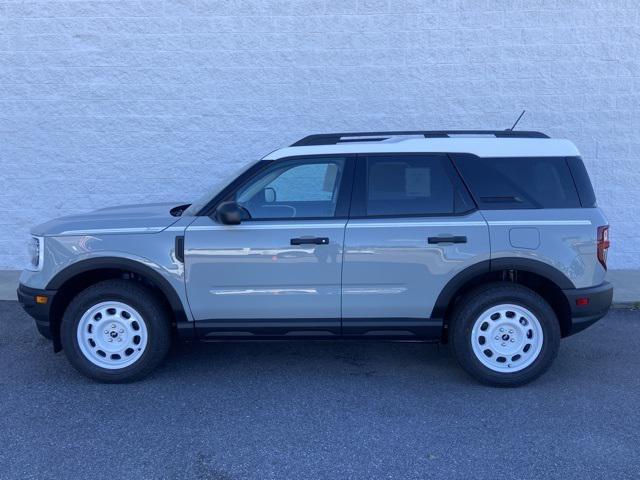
(514, 125)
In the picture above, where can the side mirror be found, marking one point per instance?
(270, 195)
(229, 213)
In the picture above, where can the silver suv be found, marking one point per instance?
(489, 241)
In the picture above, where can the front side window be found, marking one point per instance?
(412, 185)
(294, 189)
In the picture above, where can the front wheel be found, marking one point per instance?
(504, 334)
(116, 331)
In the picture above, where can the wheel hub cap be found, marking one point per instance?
(112, 335)
(507, 338)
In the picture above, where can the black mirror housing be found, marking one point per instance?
(229, 213)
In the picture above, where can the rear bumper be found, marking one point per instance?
(585, 313)
(40, 312)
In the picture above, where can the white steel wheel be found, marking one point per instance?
(112, 335)
(507, 338)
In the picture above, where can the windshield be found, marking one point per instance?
(223, 180)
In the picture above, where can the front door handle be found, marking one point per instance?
(448, 239)
(310, 241)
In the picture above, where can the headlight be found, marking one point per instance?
(36, 253)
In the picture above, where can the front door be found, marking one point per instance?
(279, 271)
(413, 227)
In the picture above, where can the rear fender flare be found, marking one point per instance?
(448, 293)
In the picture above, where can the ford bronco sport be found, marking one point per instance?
(490, 241)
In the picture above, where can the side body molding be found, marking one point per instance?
(186, 328)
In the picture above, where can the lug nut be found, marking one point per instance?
(502, 329)
(113, 325)
(510, 331)
(513, 340)
(504, 344)
(122, 330)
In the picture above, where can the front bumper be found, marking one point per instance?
(39, 311)
(588, 305)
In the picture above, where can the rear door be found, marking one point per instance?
(413, 227)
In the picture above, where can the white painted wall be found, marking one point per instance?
(105, 102)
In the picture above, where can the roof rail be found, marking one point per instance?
(334, 138)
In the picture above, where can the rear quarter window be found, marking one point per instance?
(519, 182)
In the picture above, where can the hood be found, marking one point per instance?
(143, 218)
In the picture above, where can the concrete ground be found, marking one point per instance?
(626, 285)
(321, 410)
(8, 284)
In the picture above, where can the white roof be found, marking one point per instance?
(476, 145)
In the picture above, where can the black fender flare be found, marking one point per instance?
(120, 263)
(495, 265)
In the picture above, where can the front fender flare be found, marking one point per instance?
(185, 327)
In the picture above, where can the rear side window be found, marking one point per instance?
(582, 181)
(519, 182)
(398, 185)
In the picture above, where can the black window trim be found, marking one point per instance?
(358, 195)
(343, 202)
(580, 188)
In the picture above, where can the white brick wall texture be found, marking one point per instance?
(105, 102)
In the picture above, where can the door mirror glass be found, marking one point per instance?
(270, 195)
(230, 213)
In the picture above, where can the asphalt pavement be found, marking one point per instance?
(321, 411)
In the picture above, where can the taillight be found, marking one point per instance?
(603, 244)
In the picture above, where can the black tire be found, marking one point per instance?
(474, 303)
(149, 305)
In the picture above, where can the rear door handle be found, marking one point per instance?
(310, 241)
(448, 239)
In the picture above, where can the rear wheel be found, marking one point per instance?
(116, 331)
(504, 334)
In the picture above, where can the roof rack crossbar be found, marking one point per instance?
(335, 138)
